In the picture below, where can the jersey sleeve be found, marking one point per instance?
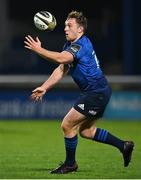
(74, 49)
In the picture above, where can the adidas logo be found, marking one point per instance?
(81, 106)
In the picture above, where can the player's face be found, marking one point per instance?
(72, 30)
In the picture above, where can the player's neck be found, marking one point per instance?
(80, 35)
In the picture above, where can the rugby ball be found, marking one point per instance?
(44, 20)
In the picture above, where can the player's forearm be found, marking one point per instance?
(55, 77)
(57, 57)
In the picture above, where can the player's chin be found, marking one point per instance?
(68, 38)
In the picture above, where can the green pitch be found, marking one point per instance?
(30, 149)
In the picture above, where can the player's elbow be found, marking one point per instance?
(65, 58)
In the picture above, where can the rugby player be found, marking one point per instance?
(78, 58)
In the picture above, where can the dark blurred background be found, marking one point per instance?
(114, 26)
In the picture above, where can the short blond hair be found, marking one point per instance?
(80, 18)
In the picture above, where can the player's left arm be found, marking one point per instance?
(63, 57)
(55, 77)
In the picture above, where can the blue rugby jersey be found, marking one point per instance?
(85, 69)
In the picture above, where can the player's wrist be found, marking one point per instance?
(44, 89)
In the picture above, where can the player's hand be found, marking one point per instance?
(37, 94)
(32, 44)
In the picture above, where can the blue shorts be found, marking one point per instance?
(92, 104)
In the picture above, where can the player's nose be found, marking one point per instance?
(65, 29)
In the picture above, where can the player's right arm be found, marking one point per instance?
(54, 78)
(63, 57)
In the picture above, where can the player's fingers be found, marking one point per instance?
(37, 98)
(27, 43)
(38, 90)
(34, 98)
(35, 90)
(31, 98)
(31, 39)
(27, 47)
(37, 39)
(40, 98)
(34, 95)
(28, 40)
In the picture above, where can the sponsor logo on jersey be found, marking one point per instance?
(92, 112)
(75, 48)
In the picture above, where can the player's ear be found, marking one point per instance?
(80, 29)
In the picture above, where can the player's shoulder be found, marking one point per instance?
(85, 42)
